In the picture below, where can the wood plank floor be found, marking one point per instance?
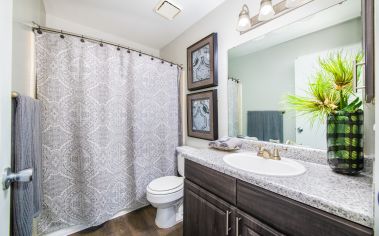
(136, 223)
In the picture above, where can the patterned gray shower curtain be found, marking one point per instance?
(109, 127)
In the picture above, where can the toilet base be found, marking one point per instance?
(169, 216)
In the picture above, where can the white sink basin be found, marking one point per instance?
(249, 161)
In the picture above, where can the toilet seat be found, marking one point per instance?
(166, 185)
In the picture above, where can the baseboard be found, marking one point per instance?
(78, 228)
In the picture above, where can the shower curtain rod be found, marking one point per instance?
(39, 30)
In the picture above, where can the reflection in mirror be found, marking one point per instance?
(264, 71)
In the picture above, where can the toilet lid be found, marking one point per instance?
(166, 183)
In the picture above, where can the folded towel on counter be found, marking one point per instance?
(226, 144)
(26, 153)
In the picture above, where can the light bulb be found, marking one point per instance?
(244, 22)
(267, 11)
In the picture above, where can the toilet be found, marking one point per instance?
(166, 194)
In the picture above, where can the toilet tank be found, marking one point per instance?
(180, 164)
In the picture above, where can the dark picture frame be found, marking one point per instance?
(202, 66)
(202, 117)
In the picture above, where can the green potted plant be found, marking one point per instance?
(330, 97)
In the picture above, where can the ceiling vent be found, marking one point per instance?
(167, 9)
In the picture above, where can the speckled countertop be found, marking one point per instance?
(350, 197)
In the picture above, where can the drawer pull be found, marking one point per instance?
(237, 226)
(227, 228)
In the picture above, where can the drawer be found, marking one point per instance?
(222, 185)
(249, 226)
(291, 217)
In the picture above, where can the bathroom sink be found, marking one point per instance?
(249, 161)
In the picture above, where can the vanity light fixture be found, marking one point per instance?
(293, 3)
(266, 11)
(244, 22)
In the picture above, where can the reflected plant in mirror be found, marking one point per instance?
(331, 88)
(330, 96)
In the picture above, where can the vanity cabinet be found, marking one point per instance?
(216, 204)
(292, 217)
(211, 215)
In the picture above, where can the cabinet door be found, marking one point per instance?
(204, 213)
(249, 226)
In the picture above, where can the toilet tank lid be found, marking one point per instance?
(166, 183)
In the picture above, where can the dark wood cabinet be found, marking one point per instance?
(291, 217)
(216, 204)
(220, 184)
(205, 214)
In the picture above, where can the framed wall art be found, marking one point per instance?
(202, 63)
(202, 115)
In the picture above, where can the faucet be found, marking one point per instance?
(265, 153)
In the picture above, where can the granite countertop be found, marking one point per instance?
(350, 197)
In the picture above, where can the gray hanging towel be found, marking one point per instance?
(26, 196)
(265, 125)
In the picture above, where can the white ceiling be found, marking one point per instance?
(133, 20)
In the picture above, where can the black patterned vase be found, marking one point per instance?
(345, 142)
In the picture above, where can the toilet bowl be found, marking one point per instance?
(166, 194)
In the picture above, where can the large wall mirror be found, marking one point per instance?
(262, 72)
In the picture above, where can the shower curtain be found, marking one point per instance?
(110, 125)
(234, 108)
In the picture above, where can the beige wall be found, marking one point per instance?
(23, 74)
(223, 21)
